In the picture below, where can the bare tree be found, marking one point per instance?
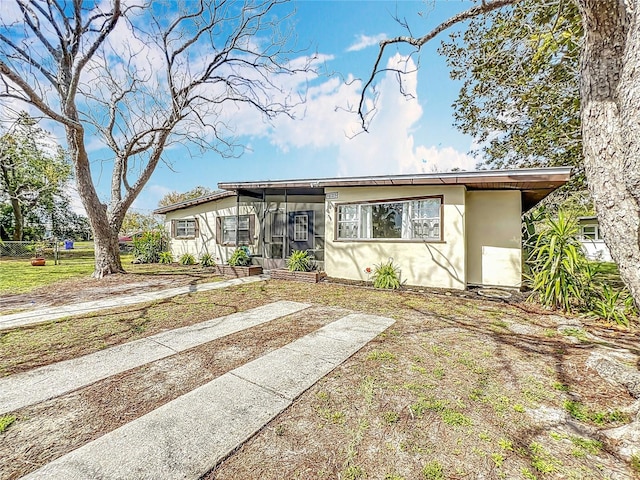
(610, 101)
(142, 77)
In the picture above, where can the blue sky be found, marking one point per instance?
(406, 136)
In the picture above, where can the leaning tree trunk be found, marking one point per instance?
(105, 233)
(610, 96)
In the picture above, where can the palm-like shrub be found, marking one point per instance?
(299, 261)
(240, 258)
(207, 260)
(386, 275)
(165, 257)
(558, 267)
(187, 259)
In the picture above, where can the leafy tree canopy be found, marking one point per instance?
(520, 98)
(176, 197)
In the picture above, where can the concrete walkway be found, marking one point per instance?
(28, 388)
(53, 313)
(188, 436)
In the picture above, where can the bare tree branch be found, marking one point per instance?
(418, 42)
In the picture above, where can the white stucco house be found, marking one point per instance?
(592, 241)
(449, 230)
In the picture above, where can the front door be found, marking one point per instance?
(301, 231)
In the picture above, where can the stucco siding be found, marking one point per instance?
(205, 240)
(436, 264)
(494, 238)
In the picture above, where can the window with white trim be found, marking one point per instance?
(590, 232)
(300, 228)
(185, 228)
(402, 219)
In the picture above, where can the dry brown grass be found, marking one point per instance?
(458, 385)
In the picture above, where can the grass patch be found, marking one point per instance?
(380, 356)
(433, 471)
(580, 412)
(6, 421)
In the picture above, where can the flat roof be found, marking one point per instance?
(534, 183)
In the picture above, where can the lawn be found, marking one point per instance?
(456, 388)
(18, 276)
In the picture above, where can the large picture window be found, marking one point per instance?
(399, 219)
(227, 227)
(185, 228)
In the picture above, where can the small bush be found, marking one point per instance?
(240, 258)
(187, 259)
(299, 261)
(148, 246)
(207, 260)
(165, 257)
(386, 275)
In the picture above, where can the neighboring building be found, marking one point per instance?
(592, 242)
(448, 230)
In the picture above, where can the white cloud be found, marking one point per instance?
(365, 41)
(389, 148)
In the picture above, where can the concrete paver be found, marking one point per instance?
(48, 314)
(188, 436)
(28, 388)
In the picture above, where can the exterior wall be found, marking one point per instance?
(435, 264)
(494, 238)
(205, 241)
(594, 249)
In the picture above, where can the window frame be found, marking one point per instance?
(405, 200)
(175, 228)
(596, 232)
(220, 230)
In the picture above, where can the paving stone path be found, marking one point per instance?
(188, 436)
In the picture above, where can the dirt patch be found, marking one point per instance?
(470, 388)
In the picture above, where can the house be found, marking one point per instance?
(448, 230)
(591, 239)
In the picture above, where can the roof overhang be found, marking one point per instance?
(534, 183)
(194, 201)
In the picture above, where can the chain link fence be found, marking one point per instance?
(11, 249)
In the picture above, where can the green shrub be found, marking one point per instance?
(240, 258)
(207, 260)
(187, 259)
(386, 275)
(148, 246)
(299, 261)
(165, 257)
(557, 264)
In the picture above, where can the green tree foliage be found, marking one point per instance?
(176, 197)
(139, 222)
(33, 171)
(519, 68)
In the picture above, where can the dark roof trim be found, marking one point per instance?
(552, 177)
(195, 201)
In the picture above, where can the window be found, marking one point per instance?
(402, 219)
(227, 226)
(590, 232)
(186, 228)
(300, 228)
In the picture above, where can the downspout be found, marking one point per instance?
(285, 246)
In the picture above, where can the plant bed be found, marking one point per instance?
(309, 277)
(238, 271)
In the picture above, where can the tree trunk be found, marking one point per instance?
(610, 95)
(18, 231)
(105, 233)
